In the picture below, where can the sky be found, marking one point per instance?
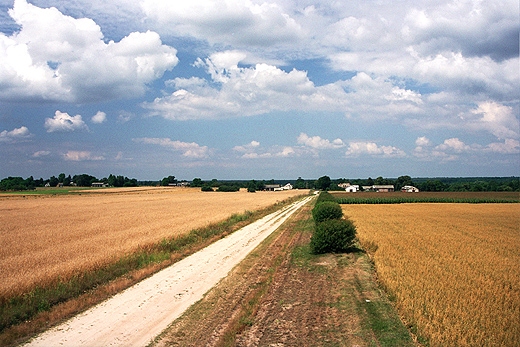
(269, 89)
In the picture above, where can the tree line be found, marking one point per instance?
(323, 183)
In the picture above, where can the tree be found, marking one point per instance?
(403, 181)
(323, 183)
(326, 210)
(300, 183)
(167, 180)
(197, 182)
(333, 235)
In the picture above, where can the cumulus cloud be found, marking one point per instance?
(262, 88)
(188, 149)
(81, 156)
(360, 148)
(497, 119)
(72, 62)
(40, 154)
(474, 28)
(15, 135)
(64, 122)
(453, 144)
(509, 146)
(247, 148)
(238, 22)
(99, 117)
(317, 142)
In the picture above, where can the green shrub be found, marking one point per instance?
(334, 235)
(326, 210)
(325, 196)
(206, 188)
(228, 188)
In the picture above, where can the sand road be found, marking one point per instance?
(137, 315)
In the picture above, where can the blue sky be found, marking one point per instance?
(246, 89)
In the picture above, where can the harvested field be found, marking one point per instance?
(49, 237)
(451, 268)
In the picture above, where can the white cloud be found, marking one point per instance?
(188, 149)
(317, 142)
(422, 141)
(453, 144)
(237, 22)
(247, 148)
(263, 88)
(497, 119)
(14, 135)
(81, 156)
(509, 146)
(72, 62)
(63, 122)
(40, 154)
(360, 148)
(99, 117)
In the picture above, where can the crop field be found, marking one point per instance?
(50, 237)
(452, 269)
(438, 197)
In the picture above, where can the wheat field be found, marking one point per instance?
(453, 269)
(45, 237)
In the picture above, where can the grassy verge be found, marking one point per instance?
(24, 309)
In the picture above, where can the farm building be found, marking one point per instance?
(352, 188)
(271, 187)
(379, 188)
(277, 187)
(99, 184)
(409, 189)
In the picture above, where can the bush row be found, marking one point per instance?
(332, 233)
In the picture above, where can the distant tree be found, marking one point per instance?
(53, 181)
(167, 180)
(370, 181)
(61, 178)
(403, 181)
(83, 180)
(197, 182)
(251, 186)
(300, 183)
(323, 183)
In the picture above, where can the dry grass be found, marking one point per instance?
(452, 268)
(44, 238)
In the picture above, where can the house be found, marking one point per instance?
(352, 188)
(288, 186)
(383, 188)
(271, 187)
(99, 184)
(379, 188)
(344, 185)
(409, 189)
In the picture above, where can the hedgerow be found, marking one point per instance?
(332, 233)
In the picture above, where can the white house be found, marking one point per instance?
(409, 189)
(288, 186)
(352, 188)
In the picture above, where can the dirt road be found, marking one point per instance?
(137, 315)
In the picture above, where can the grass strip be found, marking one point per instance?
(24, 307)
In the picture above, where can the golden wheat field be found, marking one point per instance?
(48, 237)
(454, 269)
